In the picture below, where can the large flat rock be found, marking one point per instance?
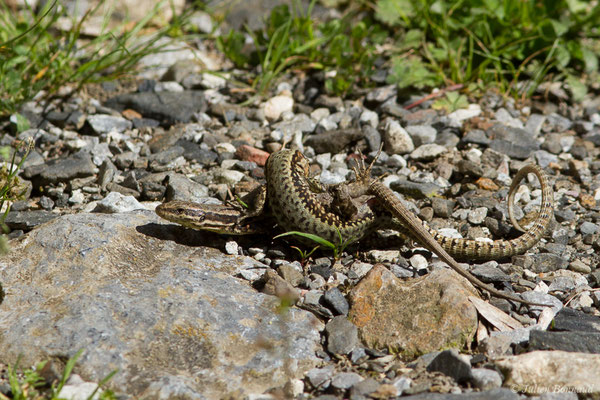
(150, 300)
(414, 317)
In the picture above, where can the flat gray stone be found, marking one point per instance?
(579, 342)
(27, 220)
(333, 141)
(489, 273)
(486, 379)
(427, 152)
(167, 107)
(78, 165)
(416, 190)
(342, 335)
(421, 134)
(494, 394)
(101, 123)
(544, 370)
(452, 364)
(147, 299)
(397, 140)
(569, 319)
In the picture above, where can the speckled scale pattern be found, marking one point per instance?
(478, 250)
(296, 207)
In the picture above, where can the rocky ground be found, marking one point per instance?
(196, 315)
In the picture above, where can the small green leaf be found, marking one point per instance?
(451, 102)
(578, 89)
(551, 29)
(577, 6)
(393, 12)
(411, 71)
(438, 7)
(562, 56)
(590, 59)
(411, 40)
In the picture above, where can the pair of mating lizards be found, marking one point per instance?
(352, 211)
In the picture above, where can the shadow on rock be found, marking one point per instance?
(182, 235)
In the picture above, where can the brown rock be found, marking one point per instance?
(487, 184)
(277, 286)
(249, 153)
(587, 200)
(131, 114)
(414, 317)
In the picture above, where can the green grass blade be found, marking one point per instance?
(68, 369)
(310, 236)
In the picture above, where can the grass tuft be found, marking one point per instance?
(36, 56)
(428, 43)
(30, 385)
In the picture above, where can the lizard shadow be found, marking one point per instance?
(182, 235)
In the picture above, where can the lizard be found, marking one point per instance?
(295, 202)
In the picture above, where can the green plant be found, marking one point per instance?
(337, 249)
(33, 386)
(11, 188)
(451, 102)
(496, 41)
(293, 39)
(304, 254)
(34, 57)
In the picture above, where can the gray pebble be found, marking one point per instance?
(544, 158)
(360, 269)
(320, 377)
(442, 208)
(559, 123)
(78, 165)
(312, 301)
(326, 124)
(364, 387)
(336, 300)
(231, 247)
(115, 202)
(228, 177)
(452, 364)
(330, 178)
(421, 134)
(167, 107)
(342, 335)
(534, 123)
(372, 136)
(579, 266)
(27, 220)
(46, 203)
(397, 140)
(486, 379)
(106, 123)
(345, 380)
(588, 228)
(369, 117)
(477, 216)
(476, 136)
(489, 272)
(427, 152)
(290, 274)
